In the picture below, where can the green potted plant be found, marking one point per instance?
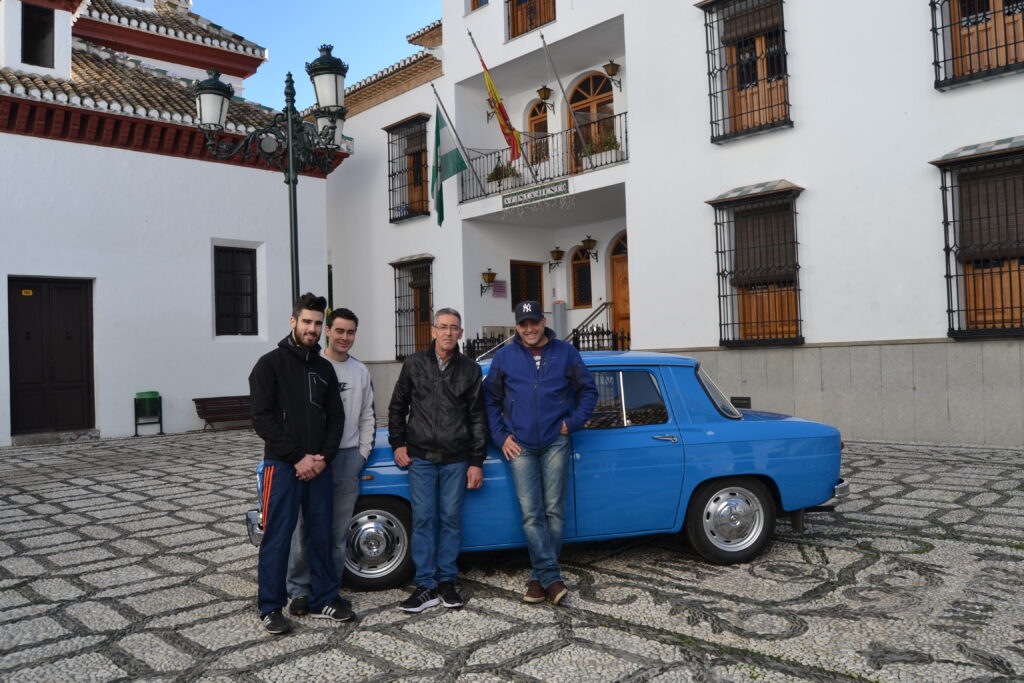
(604, 147)
(500, 176)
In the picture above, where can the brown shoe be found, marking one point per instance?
(556, 592)
(534, 593)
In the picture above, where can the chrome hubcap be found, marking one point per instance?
(377, 543)
(733, 519)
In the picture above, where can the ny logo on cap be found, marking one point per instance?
(527, 308)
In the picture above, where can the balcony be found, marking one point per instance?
(548, 157)
(976, 39)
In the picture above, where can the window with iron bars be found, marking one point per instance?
(984, 225)
(976, 39)
(526, 15)
(747, 73)
(414, 306)
(758, 282)
(407, 168)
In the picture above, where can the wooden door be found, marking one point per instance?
(620, 286)
(994, 290)
(758, 86)
(985, 36)
(50, 328)
(423, 308)
(593, 112)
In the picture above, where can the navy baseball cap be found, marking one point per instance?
(529, 310)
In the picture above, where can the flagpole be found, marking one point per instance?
(458, 141)
(481, 58)
(568, 107)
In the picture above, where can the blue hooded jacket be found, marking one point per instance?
(530, 402)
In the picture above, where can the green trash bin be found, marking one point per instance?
(148, 403)
(149, 410)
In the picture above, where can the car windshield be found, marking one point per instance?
(725, 407)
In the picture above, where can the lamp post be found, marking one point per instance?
(288, 144)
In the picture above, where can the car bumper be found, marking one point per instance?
(254, 527)
(842, 490)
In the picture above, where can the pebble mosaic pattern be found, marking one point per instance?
(127, 559)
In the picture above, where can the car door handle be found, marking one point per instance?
(666, 437)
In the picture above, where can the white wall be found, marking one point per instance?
(867, 122)
(142, 227)
(362, 241)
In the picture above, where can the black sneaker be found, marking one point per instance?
(336, 610)
(275, 623)
(299, 606)
(449, 596)
(420, 599)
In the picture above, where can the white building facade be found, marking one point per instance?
(740, 185)
(130, 259)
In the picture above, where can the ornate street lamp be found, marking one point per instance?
(288, 144)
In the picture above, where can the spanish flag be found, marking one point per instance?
(507, 129)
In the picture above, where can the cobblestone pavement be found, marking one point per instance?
(126, 559)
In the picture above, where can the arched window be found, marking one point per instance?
(537, 125)
(593, 110)
(582, 296)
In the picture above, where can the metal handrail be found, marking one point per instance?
(589, 319)
(494, 348)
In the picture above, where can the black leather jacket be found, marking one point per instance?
(439, 416)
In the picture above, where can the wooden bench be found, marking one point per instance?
(222, 409)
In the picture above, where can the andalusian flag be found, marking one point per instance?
(507, 129)
(448, 161)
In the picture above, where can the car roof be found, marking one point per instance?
(598, 358)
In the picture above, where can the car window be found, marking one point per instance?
(643, 401)
(644, 405)
(725, 407)
(608, 411)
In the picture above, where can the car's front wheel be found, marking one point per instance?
(730, 520)
(378, 554)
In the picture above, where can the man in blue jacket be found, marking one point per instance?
(530, 392)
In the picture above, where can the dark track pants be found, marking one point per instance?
(282, 496)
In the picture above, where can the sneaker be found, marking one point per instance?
(449, 596)
(420, 599)
(299, 606)
(534, 592)
(275, 623)
(336, 610)
(556, 592)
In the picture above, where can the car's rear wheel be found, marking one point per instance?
(730, 520)
(378, 554)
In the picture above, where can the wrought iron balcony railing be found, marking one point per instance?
(548, 157)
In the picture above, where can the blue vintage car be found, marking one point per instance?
(665, 451)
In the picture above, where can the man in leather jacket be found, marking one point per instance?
(297, 411)
(438, 429)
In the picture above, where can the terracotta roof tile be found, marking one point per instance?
(102, 79)
(168, 20)
(428, 36)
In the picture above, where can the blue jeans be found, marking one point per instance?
(347, 465)
(437, 493)
(284, 495)
(540, 475)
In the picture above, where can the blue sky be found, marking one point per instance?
(368, 36)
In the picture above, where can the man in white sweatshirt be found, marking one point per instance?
(356, 444)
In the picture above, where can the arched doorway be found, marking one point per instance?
(619, 284)
(593, 112)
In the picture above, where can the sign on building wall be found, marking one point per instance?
(534, 194)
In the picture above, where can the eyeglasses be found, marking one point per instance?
(447, 328)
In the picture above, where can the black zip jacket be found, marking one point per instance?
(296, 407)
(439, 416)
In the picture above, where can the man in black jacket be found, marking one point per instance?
(438, 429)
(297, 411)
